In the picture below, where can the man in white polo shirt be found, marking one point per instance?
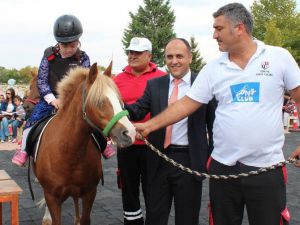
(248, 81)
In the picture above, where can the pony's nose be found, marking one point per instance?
(125, 133)
(121, 137)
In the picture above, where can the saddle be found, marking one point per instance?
(32, 142)
(34, 134)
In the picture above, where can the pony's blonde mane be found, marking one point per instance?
(76, 77)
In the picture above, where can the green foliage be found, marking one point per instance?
(22, 76)
(273, 35)
(154, 21)
(197, 62)
(101, 68)
(26, 74)
(276, 22)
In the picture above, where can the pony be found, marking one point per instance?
(32, 95)
(68, 163)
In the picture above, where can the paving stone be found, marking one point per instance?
(107, 208)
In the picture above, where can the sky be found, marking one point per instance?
(26, 27)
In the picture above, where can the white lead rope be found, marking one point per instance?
(212, 176)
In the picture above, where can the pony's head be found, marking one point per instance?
(32, 96)
(100, 104)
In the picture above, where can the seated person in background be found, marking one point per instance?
(7, 109)
(19, 117)
(2, 99)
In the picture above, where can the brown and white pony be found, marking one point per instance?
(68, 163)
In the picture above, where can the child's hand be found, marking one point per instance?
(56, 103)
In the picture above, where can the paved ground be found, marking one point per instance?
(107, 208)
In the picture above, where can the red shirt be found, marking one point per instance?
(132, 87)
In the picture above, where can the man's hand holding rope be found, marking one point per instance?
(296, 154)
(141, 129)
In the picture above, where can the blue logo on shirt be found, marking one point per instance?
(245, 92)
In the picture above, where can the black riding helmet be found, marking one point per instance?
(67, 28)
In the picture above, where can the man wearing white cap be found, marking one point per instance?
(132, 160)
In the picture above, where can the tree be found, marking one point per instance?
(273, 35)
(277, 22)
(101, 68)
(25, 74)
(197, 62)
(154, 21)
(21, 76)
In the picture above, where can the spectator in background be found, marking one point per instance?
(8, 108)
(19, 117)
(2, 99)
(287, 111)
(132, 160)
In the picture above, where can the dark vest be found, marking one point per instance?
(58, 67)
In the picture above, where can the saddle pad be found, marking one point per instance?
(34, 134)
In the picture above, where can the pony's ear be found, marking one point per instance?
(107, 71)
(93, 73)
(33, 73)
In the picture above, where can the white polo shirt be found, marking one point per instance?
(248, 126)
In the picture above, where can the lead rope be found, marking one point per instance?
(212, 176)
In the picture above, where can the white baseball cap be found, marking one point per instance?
(140, 44)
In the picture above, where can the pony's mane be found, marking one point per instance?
(77, 76)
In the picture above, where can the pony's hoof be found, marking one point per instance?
(47, 222)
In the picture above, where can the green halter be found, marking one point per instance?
(113, 121)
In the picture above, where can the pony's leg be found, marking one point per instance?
(54, 207)
(47, 217)
(77, 211)
(87, 203)
(47, 220)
